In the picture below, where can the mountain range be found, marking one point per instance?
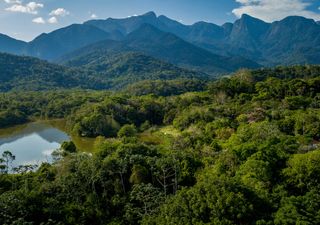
(205, 48)
(247, 37)
(162, 45)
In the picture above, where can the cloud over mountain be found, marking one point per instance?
(59, 12)
(29, 8)
(272, 10)
(39, 20)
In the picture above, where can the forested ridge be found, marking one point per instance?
(22, 73)
(243, 149)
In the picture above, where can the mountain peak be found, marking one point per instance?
(149, 14)
(248, 18)
(244, 16)
(297, 19)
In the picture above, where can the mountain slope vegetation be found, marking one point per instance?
(27, 73)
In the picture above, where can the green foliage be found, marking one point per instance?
(299, 209)
(213, 201)
(245, 151)
(18, 73)
(303, 172)
(127, 131)
(69, 147)
(165, 87)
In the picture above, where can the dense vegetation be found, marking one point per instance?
(20, 73)
(243, 151)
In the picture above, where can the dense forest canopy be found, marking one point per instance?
(21, 73)
(239, 150)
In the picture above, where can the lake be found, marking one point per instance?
(33, 143)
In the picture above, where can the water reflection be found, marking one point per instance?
(33, 143)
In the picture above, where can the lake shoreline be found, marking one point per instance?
(33, 142)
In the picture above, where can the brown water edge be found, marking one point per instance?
(83, 144)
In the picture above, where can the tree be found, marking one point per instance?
(303, 172)
(215, 200)
(7, 159)
(144, 201)
(69, 146)
(127, 131)
(299, 210)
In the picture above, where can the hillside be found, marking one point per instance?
(27, 73)
(267, 43)
(165, 46)
(11, 45)
(59, 42)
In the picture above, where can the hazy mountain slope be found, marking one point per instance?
(293, 40)
(248, 37)
(27, 73)
(91, 53)
(169, 47)
(59, 42)
(166, 46)
(127, 25)
(11, 45)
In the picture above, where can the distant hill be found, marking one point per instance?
(59, 42)
(27, 73)
(130, 67)
(163, 45)
(11, 45)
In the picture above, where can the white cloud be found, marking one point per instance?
(59, 12)
(30, 8)
(272, 10)
(93, 16)
(53, 20)
(13, 1)
(39, 20)
(134, 15)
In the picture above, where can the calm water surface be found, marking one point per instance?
(33, 143)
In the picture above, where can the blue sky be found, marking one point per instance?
(25, 19)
